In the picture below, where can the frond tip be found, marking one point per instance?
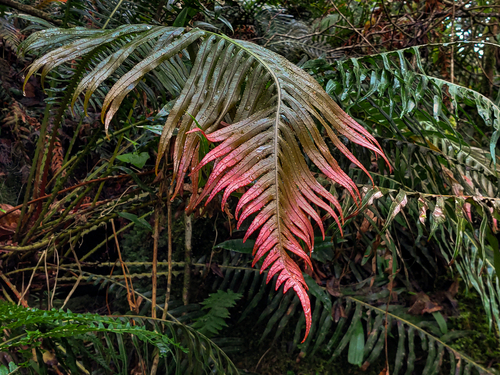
(273, 109)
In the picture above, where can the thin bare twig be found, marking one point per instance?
(169, 256)
(188, 234)
(56, 255)
(392, 23)
(14, 290)
(130, 290)
(80, 276)
(350, 24)
(261, 358)
(156, 360)
(32, 276)
(47, 279)
(154, 271)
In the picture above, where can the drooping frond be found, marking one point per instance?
(387, 88)
(270, 110)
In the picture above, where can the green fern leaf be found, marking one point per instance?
(218, 305)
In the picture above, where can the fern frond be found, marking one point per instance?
(408, 327)
(414, 101)
(272, 108)
(9, 34)
(217, 305)
(26, 327)
(290, 37)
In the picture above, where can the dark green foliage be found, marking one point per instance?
(54, 324)
(217, 305)
(354, 324)
(85, 341)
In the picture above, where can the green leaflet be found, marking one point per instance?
(356, 345)
(441, 322)
(136, 159)
(136, 220)
(237, 245)
(396, 206)
(6, 371)
(318, 292)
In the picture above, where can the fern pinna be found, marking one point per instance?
(261, 110)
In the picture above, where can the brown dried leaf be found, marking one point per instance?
(29, 90)
(453, 289)
(365, 225)
(216, 269)
(8, 222)
(423, 304)
(57, 156)
(333, 287)
(338, 312)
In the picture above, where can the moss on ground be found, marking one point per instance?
(483, 342)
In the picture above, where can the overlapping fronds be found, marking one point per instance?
(111, 13)
(9, 34)
(270, 109)
(398, 94)
(365, 347)
(355, 322)
(290, 37)
(281, 32)
(450, 187)
(84, 341)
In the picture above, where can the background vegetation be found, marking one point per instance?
(102, 271)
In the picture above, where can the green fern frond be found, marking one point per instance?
(435, 343)
(217, 305)
(62, 330)
(388, 88)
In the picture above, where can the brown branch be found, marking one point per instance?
(350, 24)
(9, 211)
(154, 272)
(28, 9)
(188, 234)
(12, 287)
(393, 24)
